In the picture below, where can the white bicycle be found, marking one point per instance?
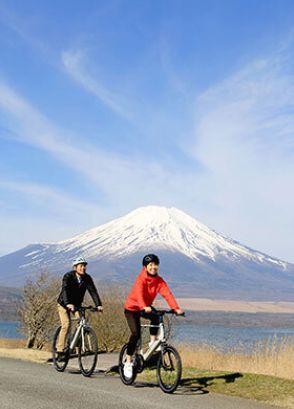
(84, 340)
(169, 364)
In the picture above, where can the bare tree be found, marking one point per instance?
(111, 326)
(38, 312)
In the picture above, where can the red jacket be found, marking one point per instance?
(144, 291)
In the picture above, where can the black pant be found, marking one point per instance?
(133, 319)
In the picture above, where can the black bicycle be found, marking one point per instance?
(169, 364)
(84, 340)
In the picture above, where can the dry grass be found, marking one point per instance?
(25, 354)
(15, 348)
(12, 343)
(111, 327)
(268, 358)
(264, 388)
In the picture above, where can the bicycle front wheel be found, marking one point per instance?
(169, 369)
(88, 351)
(59, 364)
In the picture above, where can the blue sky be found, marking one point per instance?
(106, 106)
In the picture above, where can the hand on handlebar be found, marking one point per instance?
(179, 311)
(148, 310)
(70, 307)
(99, 308)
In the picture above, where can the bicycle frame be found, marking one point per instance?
(161, 339)
(79, 332)
(167, 360)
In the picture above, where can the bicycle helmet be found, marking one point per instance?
(79, 260)
(150, 258)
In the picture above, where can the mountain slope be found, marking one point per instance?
(196, 260)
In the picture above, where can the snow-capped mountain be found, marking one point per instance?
(195, 259)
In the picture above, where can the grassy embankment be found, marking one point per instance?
(15, 348)
(269, 389)
(266, 374)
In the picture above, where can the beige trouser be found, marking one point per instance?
(65, 324)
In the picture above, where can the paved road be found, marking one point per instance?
(25, 385)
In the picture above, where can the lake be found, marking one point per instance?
(9, 329)
(227, 330)
(227, 338)
(219, 329)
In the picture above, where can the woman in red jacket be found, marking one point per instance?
(147, 285)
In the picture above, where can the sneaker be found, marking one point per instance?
(61, 356)
(128, 370)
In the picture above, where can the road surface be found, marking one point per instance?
(26, 385)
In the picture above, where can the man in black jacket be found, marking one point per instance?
(74, 285)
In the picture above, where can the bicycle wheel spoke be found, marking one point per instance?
(168, 362)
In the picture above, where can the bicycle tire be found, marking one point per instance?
(166, 366)
(58, 365)
(88, 371)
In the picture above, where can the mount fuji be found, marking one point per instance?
(195, 260)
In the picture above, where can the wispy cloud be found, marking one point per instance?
(56, 200)
(41, 213)
(74, 63)
(30, 126)
(244, 129)
(177, 83)
(23, 28)
(114, 176)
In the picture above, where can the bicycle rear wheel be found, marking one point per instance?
(88, 351)
(59, 365)
(121, 361)
(169, 369)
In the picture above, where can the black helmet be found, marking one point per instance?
(150, 258)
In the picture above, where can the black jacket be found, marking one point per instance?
(73, 292)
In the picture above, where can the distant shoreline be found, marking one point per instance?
(206, 304)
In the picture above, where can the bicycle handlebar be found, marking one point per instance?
(88, 307)
(163, 312)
